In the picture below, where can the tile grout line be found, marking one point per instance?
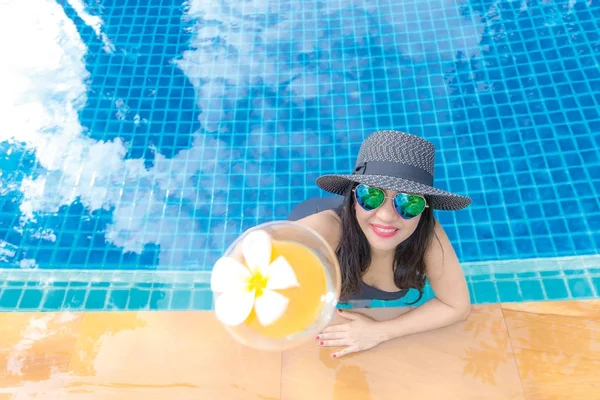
(281, 376)
(512, 350)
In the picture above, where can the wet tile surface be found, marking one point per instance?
(470, 360)
(166, 355)
(158, 355)
(557, 348)
(35, 353)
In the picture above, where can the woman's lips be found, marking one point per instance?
(384, 231)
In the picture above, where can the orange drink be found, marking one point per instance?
(305, 301)
(276, 286)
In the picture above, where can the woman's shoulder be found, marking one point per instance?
(440, 252)
(326, 223)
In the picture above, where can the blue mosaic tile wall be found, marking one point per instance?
(195, 121)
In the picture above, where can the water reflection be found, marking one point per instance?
(174, 354)
(97, 329)
(492, 346)
(351, 383)
(36, 350)
(557, 339)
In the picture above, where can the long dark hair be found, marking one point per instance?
(354, 251)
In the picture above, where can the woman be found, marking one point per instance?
(387, 240)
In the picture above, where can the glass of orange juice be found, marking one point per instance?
(280, 283)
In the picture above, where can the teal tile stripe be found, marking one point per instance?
(568, 278)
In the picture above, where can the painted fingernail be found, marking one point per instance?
(334, 356)
(321, 343)
(318, 338)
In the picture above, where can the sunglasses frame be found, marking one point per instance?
(392, 198)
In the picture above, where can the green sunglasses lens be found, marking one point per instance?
(409, 206)
(369, 198)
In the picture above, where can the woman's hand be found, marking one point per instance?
(361, 333)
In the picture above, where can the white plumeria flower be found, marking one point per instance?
(243, 287)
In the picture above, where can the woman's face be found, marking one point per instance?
(383, 227)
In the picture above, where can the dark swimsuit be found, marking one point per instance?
(367, 292)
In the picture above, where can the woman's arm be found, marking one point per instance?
(327, 224)
(451, 302)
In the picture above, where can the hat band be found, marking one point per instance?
(398, 170)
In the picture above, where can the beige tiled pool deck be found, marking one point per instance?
(548, 350)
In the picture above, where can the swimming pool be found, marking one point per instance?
(139, 138)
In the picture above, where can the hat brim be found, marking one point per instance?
(442, 200)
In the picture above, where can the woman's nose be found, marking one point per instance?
(387, 212)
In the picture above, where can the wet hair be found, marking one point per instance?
(354, 251)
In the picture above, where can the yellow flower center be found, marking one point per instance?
(257, 282)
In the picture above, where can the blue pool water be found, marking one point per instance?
(140, 138)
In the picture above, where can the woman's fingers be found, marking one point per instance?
(331, 335)
(334, 342)
(345, 351)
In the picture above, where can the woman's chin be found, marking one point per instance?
(382, 244)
